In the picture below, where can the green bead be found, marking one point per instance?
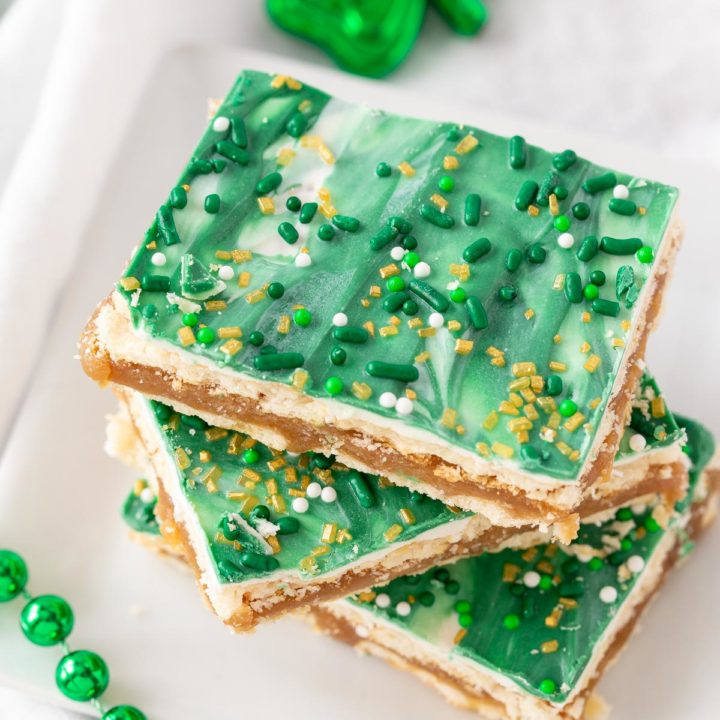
(581, 211)
(446, 184)
(410, 307)
(597, 277)
(383, 170)
(545, 582)
(411, 259)
(256, 338)
(149, 311)
(591, 291)
(458, 295)
(276, 290)
(547, 686)
(288, 232)
(511, 622)
(517, 152)
(462, 606)
(526, 194)
(475, 250)
(334, 385)
(326, 232)
(624, 514)
(212, 203)
(645, 255)
(513, 259)
(561, 223)
(409, 242)
(465, 620)
(82, 675)
(473, 203)
(561, 192)
(302, 317)
(567, 407)
(293, 203)
(507, 293)
(595, 564)
(395, 284)
(250, 456)
(269, 183)
(260, 512)
(206, 335)
(46, 620)
(124, 712)
(338, 356)
(426, 599)
(536, 254)
(554, 385)
(307, 212)
(13, 575)
(651, 524)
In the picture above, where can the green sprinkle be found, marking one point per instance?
(624, 514)
(361, 489)
(462, 606)
(472, 209)
(278, 361)
(411, 259)
(212, 203)
(233, 152)
(293, 203)
(564, 159)
(547, 686)
(546, 582)
(269, 183)
(597, 277)
(410, 307)
(513, 259)
(573, 287)
(595, 564)
(435, 299)
(383, 170)
(338, 356)
(645, 255)
(402, 225)
(598, 183)
(326, 232)
(511, 622)
(395, 284)
(256, 338)
(296, 125)
(588, 249)
(155, 283)
(351, 334)
(346, 223)
(624, 280)
(426, 598)
(276, 290)
(149, 311)
(507, 293)
(536, 254)
(554, 385)
(194, 422)
(250, 456)
(190, 319)
(206, 335)
(581, 211)
(517, 152)
(547, 187)
(162, 412)
(288, 232)
(446, 184)
(591, 292)
(385, 235)
(287, 525)
(302, 317)
(409, 242)
(334, 385)
(620, 246)
(166, 226)
(392, 371)
(238, 133)
(307, 212)
(651, 524)
(561, 192)
(465, 619)
(458, 295)
(394, 301)
(526, 194)
(561, 223)
(178, 197)
(477, 249)
(567, 407)
(621, 206)
(435, 217)
(606, 307)
(256, 561)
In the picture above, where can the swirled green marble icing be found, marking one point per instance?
(262, 510)
(536, 616)
(437, 243)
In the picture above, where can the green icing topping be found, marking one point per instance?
(436, 274)
(138, 510)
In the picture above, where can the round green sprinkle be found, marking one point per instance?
(513, 259)
(547, 686)
(561, 192)
(511, 622)
(446, 184)
(477, 249)
(591, 291)
(411, 259)
(260, 512)
(288, 232)
(561, 223)
(597, 277)
(293, 203)
(395, 284)
(338, 356)
(409, 242)
(645, 255)
(326, 232)
(581, 211)
(545, 582)
(465, 620)
(269, 183)
(507, 293)
(595, 564)
(452, 587)
(276, 290)
(536, 254)
(442, 574)
(302, 317)
(651, 524)
(178, 197)
(296, 125)
(256, 338)
(334, 385)
(149, 311)
(453, 134)
(190, 319)
(383, 170)
(626, 544)
(212, 203)
(554, 385)
(458, 295)
(206, 335)
(462, 606)
(426, 599)
(624, 514)
(410, 307)
(567, 407)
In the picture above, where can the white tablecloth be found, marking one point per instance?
(71, 74)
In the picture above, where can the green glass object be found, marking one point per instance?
(47, 620)
(124, 712)
(13, 575)
(82, 675)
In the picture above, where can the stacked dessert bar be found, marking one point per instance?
(390, 372)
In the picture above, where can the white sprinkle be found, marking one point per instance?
(340, 319)
(608, 594)
(382, 600)
(436, 320)
(313, 490)
(404, 406)
(303, 260)
(566, 240)
(397, 253)
(158, 259)
(635, 564)
(421, 270)
(226, 272)
(637, 442)
(403, 608)
(638, 508)
(621, 192)
(388, 400)
(147, 495)
(221, 123)
(300, 505)
(328, 494)
(361, 631)
(531, 579)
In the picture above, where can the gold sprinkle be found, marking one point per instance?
(502, 450)
(559, 282)
(574, 422)
(453, 326)
(449, 418)
(223, 255)
(450, 162)
(392, 532)
(278, 503)
(343, 536)
(550, 646)
(657, 407)
(557, 366)
(406, 515)
(547, 404)
(568, 603)
(517, 425)
(563, 447)
(531, 412)
(528, 395)
(468, 143)
(328, 210)
(389, 271)
(370, 327)
(285, 156)
(618, 343)
(294, 492)
(129, 283)
(320, 550)
(229, 331)
(439, 201)
(592, 364)
(414, 323)
(533, 210)
(460, 270)
(557, 338)
(491, 420)
(274, 543)
(510, 572)
(212, 475)
(388, 330)
(215, 305)
(324, 194)
(507, 408)
(250, 475)
(244, 279)
(308, 565)
(329, 532)
(255, 296)
(139, 486)
(553, 619)
(182, 459)
(523, 369)
(406, 169)
(522, 437)
(241, 256)
(459, 635)
(361, 390)
(482, 449)
(426, 332)
(463, 347)
(300, 378)
(424, 356)
(375, 291)
(365, 302)
(186, 336)
(231, 347)
(529, 314)
(537, 383)
(625, 325)
(554, 420)
(530, 554)
(460, 429)
(553, 203)
(266, 205)
(585, 347)
(515, 399)
(586, 317)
